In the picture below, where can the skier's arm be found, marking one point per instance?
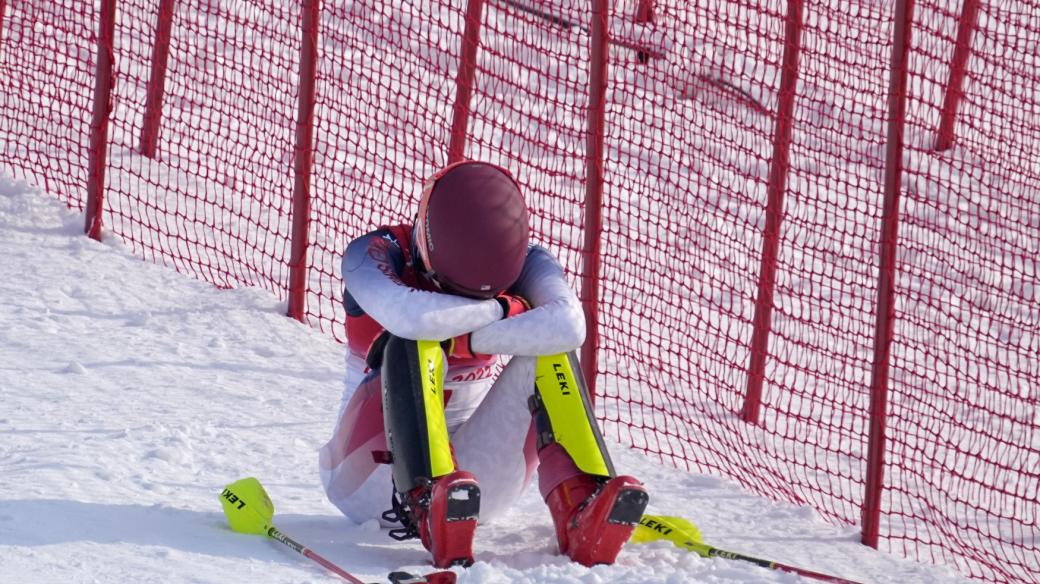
(554, 324)
(371, 266)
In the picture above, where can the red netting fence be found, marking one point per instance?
(758, 159)
(46, 84)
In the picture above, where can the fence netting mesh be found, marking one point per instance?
(690, 118)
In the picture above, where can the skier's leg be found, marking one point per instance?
(562, 411)
(594, 510)
(440, 503)
(413, 411)
(496, 443)
(353, 481)
(490, 442)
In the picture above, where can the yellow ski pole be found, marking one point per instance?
(249, 510)
(685, 535)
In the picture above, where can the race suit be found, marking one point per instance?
(487, 414)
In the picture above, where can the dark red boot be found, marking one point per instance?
(595, 516)
(446, 517)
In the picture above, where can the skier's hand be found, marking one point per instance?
(459, 348)
(512, 304)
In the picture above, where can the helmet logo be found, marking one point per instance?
(427, 236)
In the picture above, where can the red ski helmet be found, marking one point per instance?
(471, 233)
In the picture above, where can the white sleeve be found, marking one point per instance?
(555, 324)
(371, 278)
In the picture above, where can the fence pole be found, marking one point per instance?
(464, 81)
(103, 81)
(157, 82)
(777, 186)
(958, 71)
(301, 201)
(599, 70)
(887, 270)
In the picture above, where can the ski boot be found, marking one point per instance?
(443, 514)
(595, 516)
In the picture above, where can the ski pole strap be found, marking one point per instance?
(289, 542)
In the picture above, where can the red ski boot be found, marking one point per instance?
(595, 516)
(444, 516)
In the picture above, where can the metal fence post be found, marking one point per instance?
(103, 82)
(776, 189)
(301, 200)
(157, 82)
(889, 233)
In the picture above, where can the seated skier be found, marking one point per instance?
(429, 307)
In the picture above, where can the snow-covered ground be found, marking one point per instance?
(131, 394)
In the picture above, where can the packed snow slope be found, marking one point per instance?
(131, 394)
